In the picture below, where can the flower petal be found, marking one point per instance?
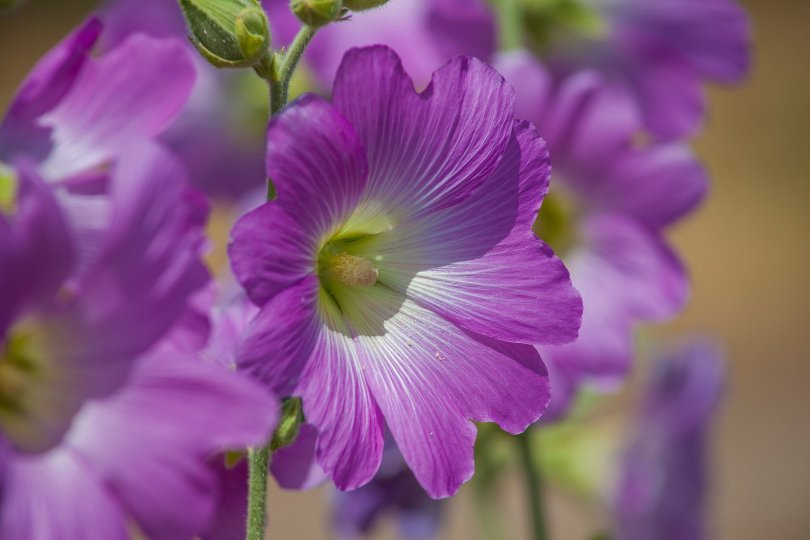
(36, 251)
(295, 347)
(279, 341)
(296, 466)
(338, 401)
(175, 413)
(430, 150)
(43, 88)
(430, 379)
(150, 264)
(478, 263)
(126, 95)
(319, 169)
(57, 495)
(656, 185)
(626, 275)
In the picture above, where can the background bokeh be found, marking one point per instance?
(748, 249)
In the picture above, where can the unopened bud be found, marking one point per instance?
(316, 13)
(362, 5)
(228, 33)
(290, 424)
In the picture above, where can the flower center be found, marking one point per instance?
(556, 222)
(8, 189)
(18, 369)
(350, 270)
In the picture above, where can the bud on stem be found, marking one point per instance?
(290, 424)
(228, 33)
(362, 5)
(316, 13)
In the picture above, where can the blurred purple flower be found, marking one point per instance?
(660, 51)
(75, 113)
(219, 135)
(612, 198)
(391, 271)
(93, 437)
(82, 298)
(393, 490)
(424, 34)
(662, 488)
(133, 457)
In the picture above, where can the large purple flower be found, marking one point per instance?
(397, 273)
(662, 485)
(613, 197)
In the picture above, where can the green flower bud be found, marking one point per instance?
(316, 13)
(292, 417)
(228, 33)
(362, 5)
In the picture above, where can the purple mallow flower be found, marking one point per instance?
(395, 491)
(663, 481)
(613, 196)
(397, 274)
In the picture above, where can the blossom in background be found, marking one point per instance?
(660, 51)
(397, 273)
(219, 134)
(103, 424)
(74, 113)
(136, 456)
(662, 485)
(612, 199)
(393, 490)
(94, 435)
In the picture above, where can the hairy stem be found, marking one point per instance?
(259, 461)
(281, 84)
(534, 488)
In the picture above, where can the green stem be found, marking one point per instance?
(510, 22)
(534, 488)
(487, 517)
(259, 461)
(278, 71)
(280, 86)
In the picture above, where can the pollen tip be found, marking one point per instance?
(352, 270)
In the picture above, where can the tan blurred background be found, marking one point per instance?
(749, 253)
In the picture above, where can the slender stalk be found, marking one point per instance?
(259, 461)
(487, 515)
(278, 71)
(288, 64)
(534, 488)
(510, 23)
